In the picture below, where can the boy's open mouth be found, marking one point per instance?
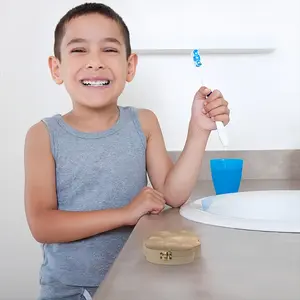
(95, 82)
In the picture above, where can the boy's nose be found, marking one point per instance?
(94, 66)
(95, 63)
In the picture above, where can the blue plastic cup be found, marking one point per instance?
(226, 174)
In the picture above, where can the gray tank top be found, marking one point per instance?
(94, 171)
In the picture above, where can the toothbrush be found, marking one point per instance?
(220, 126)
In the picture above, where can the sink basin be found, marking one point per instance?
(276, 210)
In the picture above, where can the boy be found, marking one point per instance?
(86, 171)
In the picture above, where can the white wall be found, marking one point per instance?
(263, 91)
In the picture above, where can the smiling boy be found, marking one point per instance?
(86, 171)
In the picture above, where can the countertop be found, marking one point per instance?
(233, 264)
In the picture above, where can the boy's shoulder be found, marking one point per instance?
(37, 139)
(148, 120)
(144, 114)
(37, 130)
(147, 115)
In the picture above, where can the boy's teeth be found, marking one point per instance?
(96, 82)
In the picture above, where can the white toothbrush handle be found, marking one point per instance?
(222, 133)
(221, 130)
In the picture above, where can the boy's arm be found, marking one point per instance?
(50, 225)
(176, 182)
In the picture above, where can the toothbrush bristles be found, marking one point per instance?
(196, 58)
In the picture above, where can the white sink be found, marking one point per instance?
(259, 210)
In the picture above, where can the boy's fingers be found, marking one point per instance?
(203, 93)
(214, 104)
(214, 95)
(218, 111)
(159, 199)
(222, 118)
(157, 195)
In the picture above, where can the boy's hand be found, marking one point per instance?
(208, 109)
(147, 201)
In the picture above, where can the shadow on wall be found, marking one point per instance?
(258, 164)
(294, 167)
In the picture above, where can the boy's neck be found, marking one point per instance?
(91, 120)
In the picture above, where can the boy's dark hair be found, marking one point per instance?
(85, 9)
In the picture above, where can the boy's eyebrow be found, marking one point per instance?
(112, 39)
(81, 40)
(76, 41)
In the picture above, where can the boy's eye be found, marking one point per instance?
(78, 50)
(110, 50)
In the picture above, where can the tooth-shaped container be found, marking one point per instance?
(172, 248)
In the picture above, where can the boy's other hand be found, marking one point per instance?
(147, 201)
(208, 107)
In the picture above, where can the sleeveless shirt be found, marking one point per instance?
(94, 171)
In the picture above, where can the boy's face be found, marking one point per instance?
(93, 64)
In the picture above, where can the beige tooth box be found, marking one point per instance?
(172, 248)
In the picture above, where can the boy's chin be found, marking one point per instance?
(96, 103)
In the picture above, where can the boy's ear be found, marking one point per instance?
(54, 66)
(131, 69)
